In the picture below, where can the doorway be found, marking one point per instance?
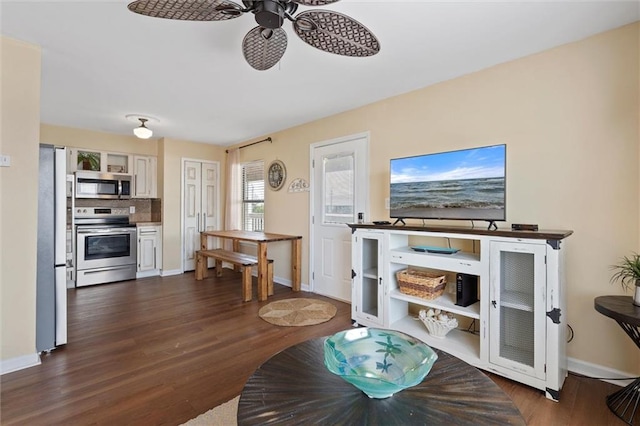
(339, 191)
(200, 205)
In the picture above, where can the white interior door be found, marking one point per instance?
(339, 189)
(201, 207)
(209, 196)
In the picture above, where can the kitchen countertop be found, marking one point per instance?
(147, 223)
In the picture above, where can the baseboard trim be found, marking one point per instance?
(284, 281)
(287, 283)
(19, 363)
(147, 274)
(170, 272)
(598, 371)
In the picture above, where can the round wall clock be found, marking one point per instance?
(276, 175)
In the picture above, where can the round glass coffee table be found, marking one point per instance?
(295, 387)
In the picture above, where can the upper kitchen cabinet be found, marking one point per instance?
(80, 159)
(98, 161)
(144, 168)
(145, 181)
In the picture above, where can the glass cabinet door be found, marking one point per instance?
(517, 311)
(367, 281)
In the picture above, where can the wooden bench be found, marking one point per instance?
(243, 261)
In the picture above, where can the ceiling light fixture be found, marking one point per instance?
(143, 132)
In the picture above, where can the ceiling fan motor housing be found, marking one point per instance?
(269, 13)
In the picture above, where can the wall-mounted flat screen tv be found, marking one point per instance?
(465, 185)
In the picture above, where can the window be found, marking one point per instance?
(339, 195)
(253, 196)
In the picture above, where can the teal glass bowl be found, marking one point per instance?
(378, 362)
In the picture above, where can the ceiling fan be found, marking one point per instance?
(265, 44)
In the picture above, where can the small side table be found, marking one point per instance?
(625, 402)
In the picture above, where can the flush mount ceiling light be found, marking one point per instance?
(142, 131)
(265, 44)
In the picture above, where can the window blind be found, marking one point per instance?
(253, 196)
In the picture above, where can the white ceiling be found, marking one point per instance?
(101, 62)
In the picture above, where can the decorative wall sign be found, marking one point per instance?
(276, 175)
(298, 185)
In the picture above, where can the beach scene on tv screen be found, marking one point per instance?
(466, 184)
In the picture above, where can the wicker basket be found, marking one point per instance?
(427, 285)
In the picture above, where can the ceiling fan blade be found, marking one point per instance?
(187, 10)
(263, 47)
(335, 33)
(314, 2)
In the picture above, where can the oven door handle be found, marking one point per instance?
(106, 231)
(107, 269)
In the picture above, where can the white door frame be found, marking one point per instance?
(183, 160)
(312, 186)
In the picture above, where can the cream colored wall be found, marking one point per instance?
(80, 138)
(569, 117)
(172, 152)
(19, 137)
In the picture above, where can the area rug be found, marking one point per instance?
(223, 415)
(297, 312)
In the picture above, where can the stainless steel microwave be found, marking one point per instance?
(103, 185)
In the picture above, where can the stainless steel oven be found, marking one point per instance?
(105, 246)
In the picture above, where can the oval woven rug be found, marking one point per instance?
(297, 312)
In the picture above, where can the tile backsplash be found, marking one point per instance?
(146, 209)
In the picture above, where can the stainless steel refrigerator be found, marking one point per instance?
(51, 280)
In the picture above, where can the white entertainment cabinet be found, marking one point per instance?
(518, 327)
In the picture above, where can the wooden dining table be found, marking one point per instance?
(262, 239)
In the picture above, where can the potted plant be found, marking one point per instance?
(627, 272)
(88, 161)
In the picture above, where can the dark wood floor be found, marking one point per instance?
(160, 351)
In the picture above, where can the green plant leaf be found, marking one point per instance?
(627, 271)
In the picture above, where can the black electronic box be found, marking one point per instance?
(466, 289)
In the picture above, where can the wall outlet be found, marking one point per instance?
(5, 160)
(387, 203)
(132, 209)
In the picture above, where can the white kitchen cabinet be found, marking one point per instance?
(81, 159)
(149, 250)
(515, 329)
(145, 179)
(367, 298)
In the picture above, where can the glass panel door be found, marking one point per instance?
(517, 313)
(367, 282)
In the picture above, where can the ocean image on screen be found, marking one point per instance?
(467, 184)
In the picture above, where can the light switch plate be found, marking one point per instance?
(387, 203)
(132, 209)
(5, 160)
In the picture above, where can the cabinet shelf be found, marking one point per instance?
(468, 263)
(517, 300)
(446, 302)
(458, 343)
(370, 273)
